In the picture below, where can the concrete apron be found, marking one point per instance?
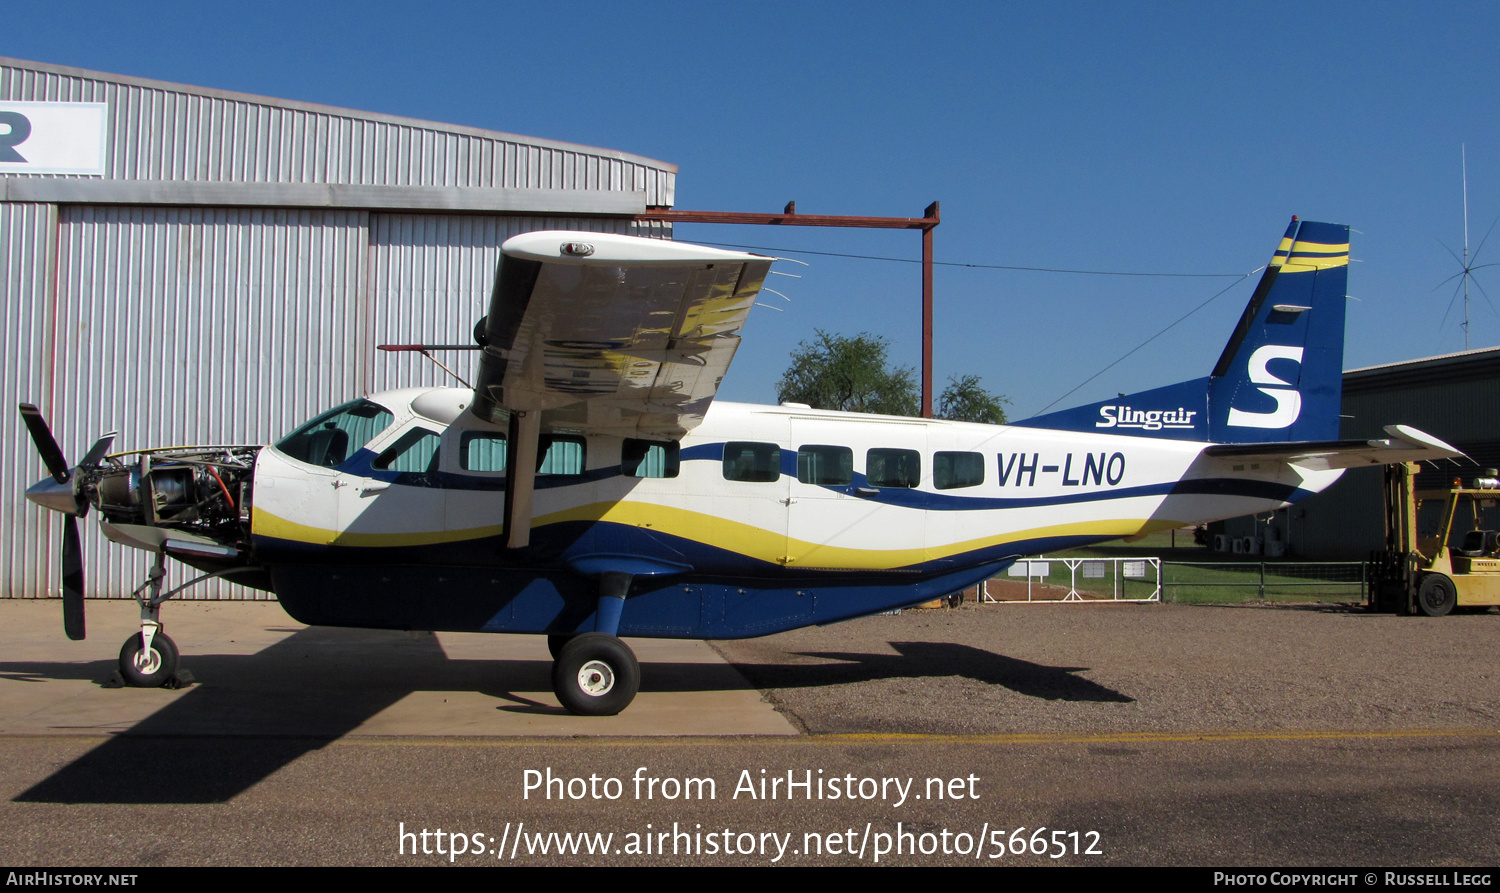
(257, 672)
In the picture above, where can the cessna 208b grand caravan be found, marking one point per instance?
(589, 487)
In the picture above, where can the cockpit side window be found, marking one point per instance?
(331, 438)
(417, 450)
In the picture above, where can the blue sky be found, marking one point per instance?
(1165, 137)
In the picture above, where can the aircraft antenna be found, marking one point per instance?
(1466, 264)
(1463, 155)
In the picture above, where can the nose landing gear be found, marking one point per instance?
(148, 659)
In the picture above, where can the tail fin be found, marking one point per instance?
(1280, 377)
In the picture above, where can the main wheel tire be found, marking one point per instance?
(1437, 596)
(150, 669)
(556, 641)
(595, 675)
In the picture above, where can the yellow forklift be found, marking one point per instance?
(1442, 547)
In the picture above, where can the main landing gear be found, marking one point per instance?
(596, 674)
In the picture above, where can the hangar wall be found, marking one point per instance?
(232, 268)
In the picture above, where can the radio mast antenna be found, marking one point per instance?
(1467, 267)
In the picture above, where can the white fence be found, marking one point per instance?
(1086, 580)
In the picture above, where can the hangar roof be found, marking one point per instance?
(184, 145)
(1467, 365)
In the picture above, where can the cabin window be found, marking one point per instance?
(950, 471)
(753, 462)
(885, 467)
(334, 436)
(482, 451)
(828, 466)
(649, 459)
(416, 451)
(560, 454)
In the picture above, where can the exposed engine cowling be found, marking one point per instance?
(205, 491)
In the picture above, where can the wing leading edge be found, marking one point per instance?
(614, 334)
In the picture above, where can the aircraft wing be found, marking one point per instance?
(614, 334)
(1403, 445)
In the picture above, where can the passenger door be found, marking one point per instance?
(837, 517)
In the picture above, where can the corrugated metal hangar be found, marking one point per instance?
(1452, 397)
(187, 265)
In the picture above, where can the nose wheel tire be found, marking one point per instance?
(148, 669)
(595, 675)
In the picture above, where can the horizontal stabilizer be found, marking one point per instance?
(1403, 445)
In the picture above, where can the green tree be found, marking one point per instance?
(848, 374)
(965, 401)
(854, 375)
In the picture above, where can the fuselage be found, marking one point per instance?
(832, 514)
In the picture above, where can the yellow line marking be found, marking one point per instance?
(918, 738)
(818, 740)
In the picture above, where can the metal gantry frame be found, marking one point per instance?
(789, 217)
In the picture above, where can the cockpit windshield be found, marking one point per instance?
(335, 435)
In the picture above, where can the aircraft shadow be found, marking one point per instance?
(216, 740)
(917, 660)
(247, 716)
(39, 671)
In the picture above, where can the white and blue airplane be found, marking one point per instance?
(589, 487)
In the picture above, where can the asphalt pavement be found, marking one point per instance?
(1133, 734)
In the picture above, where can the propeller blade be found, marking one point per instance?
(97, 451)
(72, 568)
(46, 444)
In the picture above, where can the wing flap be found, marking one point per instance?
(1404, 444)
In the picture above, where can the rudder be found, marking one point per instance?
(1280, 377)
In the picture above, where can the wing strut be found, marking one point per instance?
(520, 476)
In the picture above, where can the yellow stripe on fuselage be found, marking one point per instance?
(733, 536)
(776, 548)
(269, 525)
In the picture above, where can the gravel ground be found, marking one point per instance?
(1130, 668)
